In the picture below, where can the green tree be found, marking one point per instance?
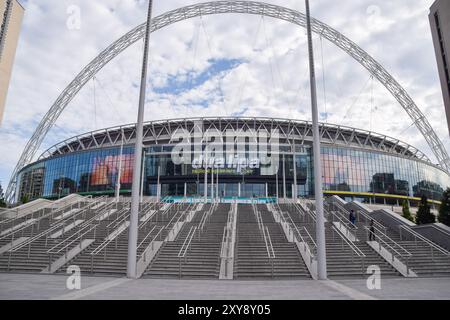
(424, 214)
(407, 212)
(25, 199)
(2, 198)
(444, 209)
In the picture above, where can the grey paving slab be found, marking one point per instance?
(16, 286)
(406, 288)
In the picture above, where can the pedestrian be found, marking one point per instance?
(352, 217)
(372, 231)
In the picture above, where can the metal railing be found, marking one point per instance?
(417, 236)
(350, 228)
(83, 230)
(151, 245)
(353, 248)
(185, 247)
(302, 206)
(52, 227)
(269, 247)
(308, 240)
(404, 257)
(206, 216)
(149, 234)
(31, 216)
(68, 242)
(28, 243)
(227, 238)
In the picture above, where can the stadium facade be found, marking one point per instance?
(356, 164)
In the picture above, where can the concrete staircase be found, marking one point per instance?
(251, 257)
(203, 256)
(424, 261)
(34, 257)
(111, 260)
(342, 260)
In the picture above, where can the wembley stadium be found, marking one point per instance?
(356, 164)
(228, 198)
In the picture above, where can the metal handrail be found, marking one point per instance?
(54, 250)
(85, 225)
(310, 237)
(144, 253)
(121, 219)
(26, 217)
(298, 209)
(144, 213)
(361, 212)
(18, 230)
(187, 242)
(345, 223)
(173, 218)
(387, 244)
(306, 210)
(146, 237)
(422, 238)
(32, 239)
(268, 241)
(82, 210)
(62, 210)
(227, 236)
(354, 248)
(185, 247)
(206, 216)
(342, 218)
(295, 227)
(51, 227)
(122, 216)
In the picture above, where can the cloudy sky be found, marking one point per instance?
(218, 66)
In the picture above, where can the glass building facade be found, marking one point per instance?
(352, 172)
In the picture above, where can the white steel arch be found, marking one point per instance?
(222, 7)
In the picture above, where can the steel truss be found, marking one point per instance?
(290, 132)
(223, 7)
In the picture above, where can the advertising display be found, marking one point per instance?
(105, 170)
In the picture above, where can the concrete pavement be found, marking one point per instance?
(43, 287)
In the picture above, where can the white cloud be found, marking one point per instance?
(272, 80)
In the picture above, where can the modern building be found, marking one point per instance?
(440, 29)
(356, 164)
(11, 15)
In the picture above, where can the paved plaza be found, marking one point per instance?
(45, 287)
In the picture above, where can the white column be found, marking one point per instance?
(284, 177)
(134, 217)
(295, 194)
(239, 189)
(206, 178)
(320, 227)
(185, 189)
(267, 190)
(158, 185)
(276, 181)
(119, 173)
(142, 178)
(212, 182)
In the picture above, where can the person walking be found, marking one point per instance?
(352, 217)
(372, 231)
